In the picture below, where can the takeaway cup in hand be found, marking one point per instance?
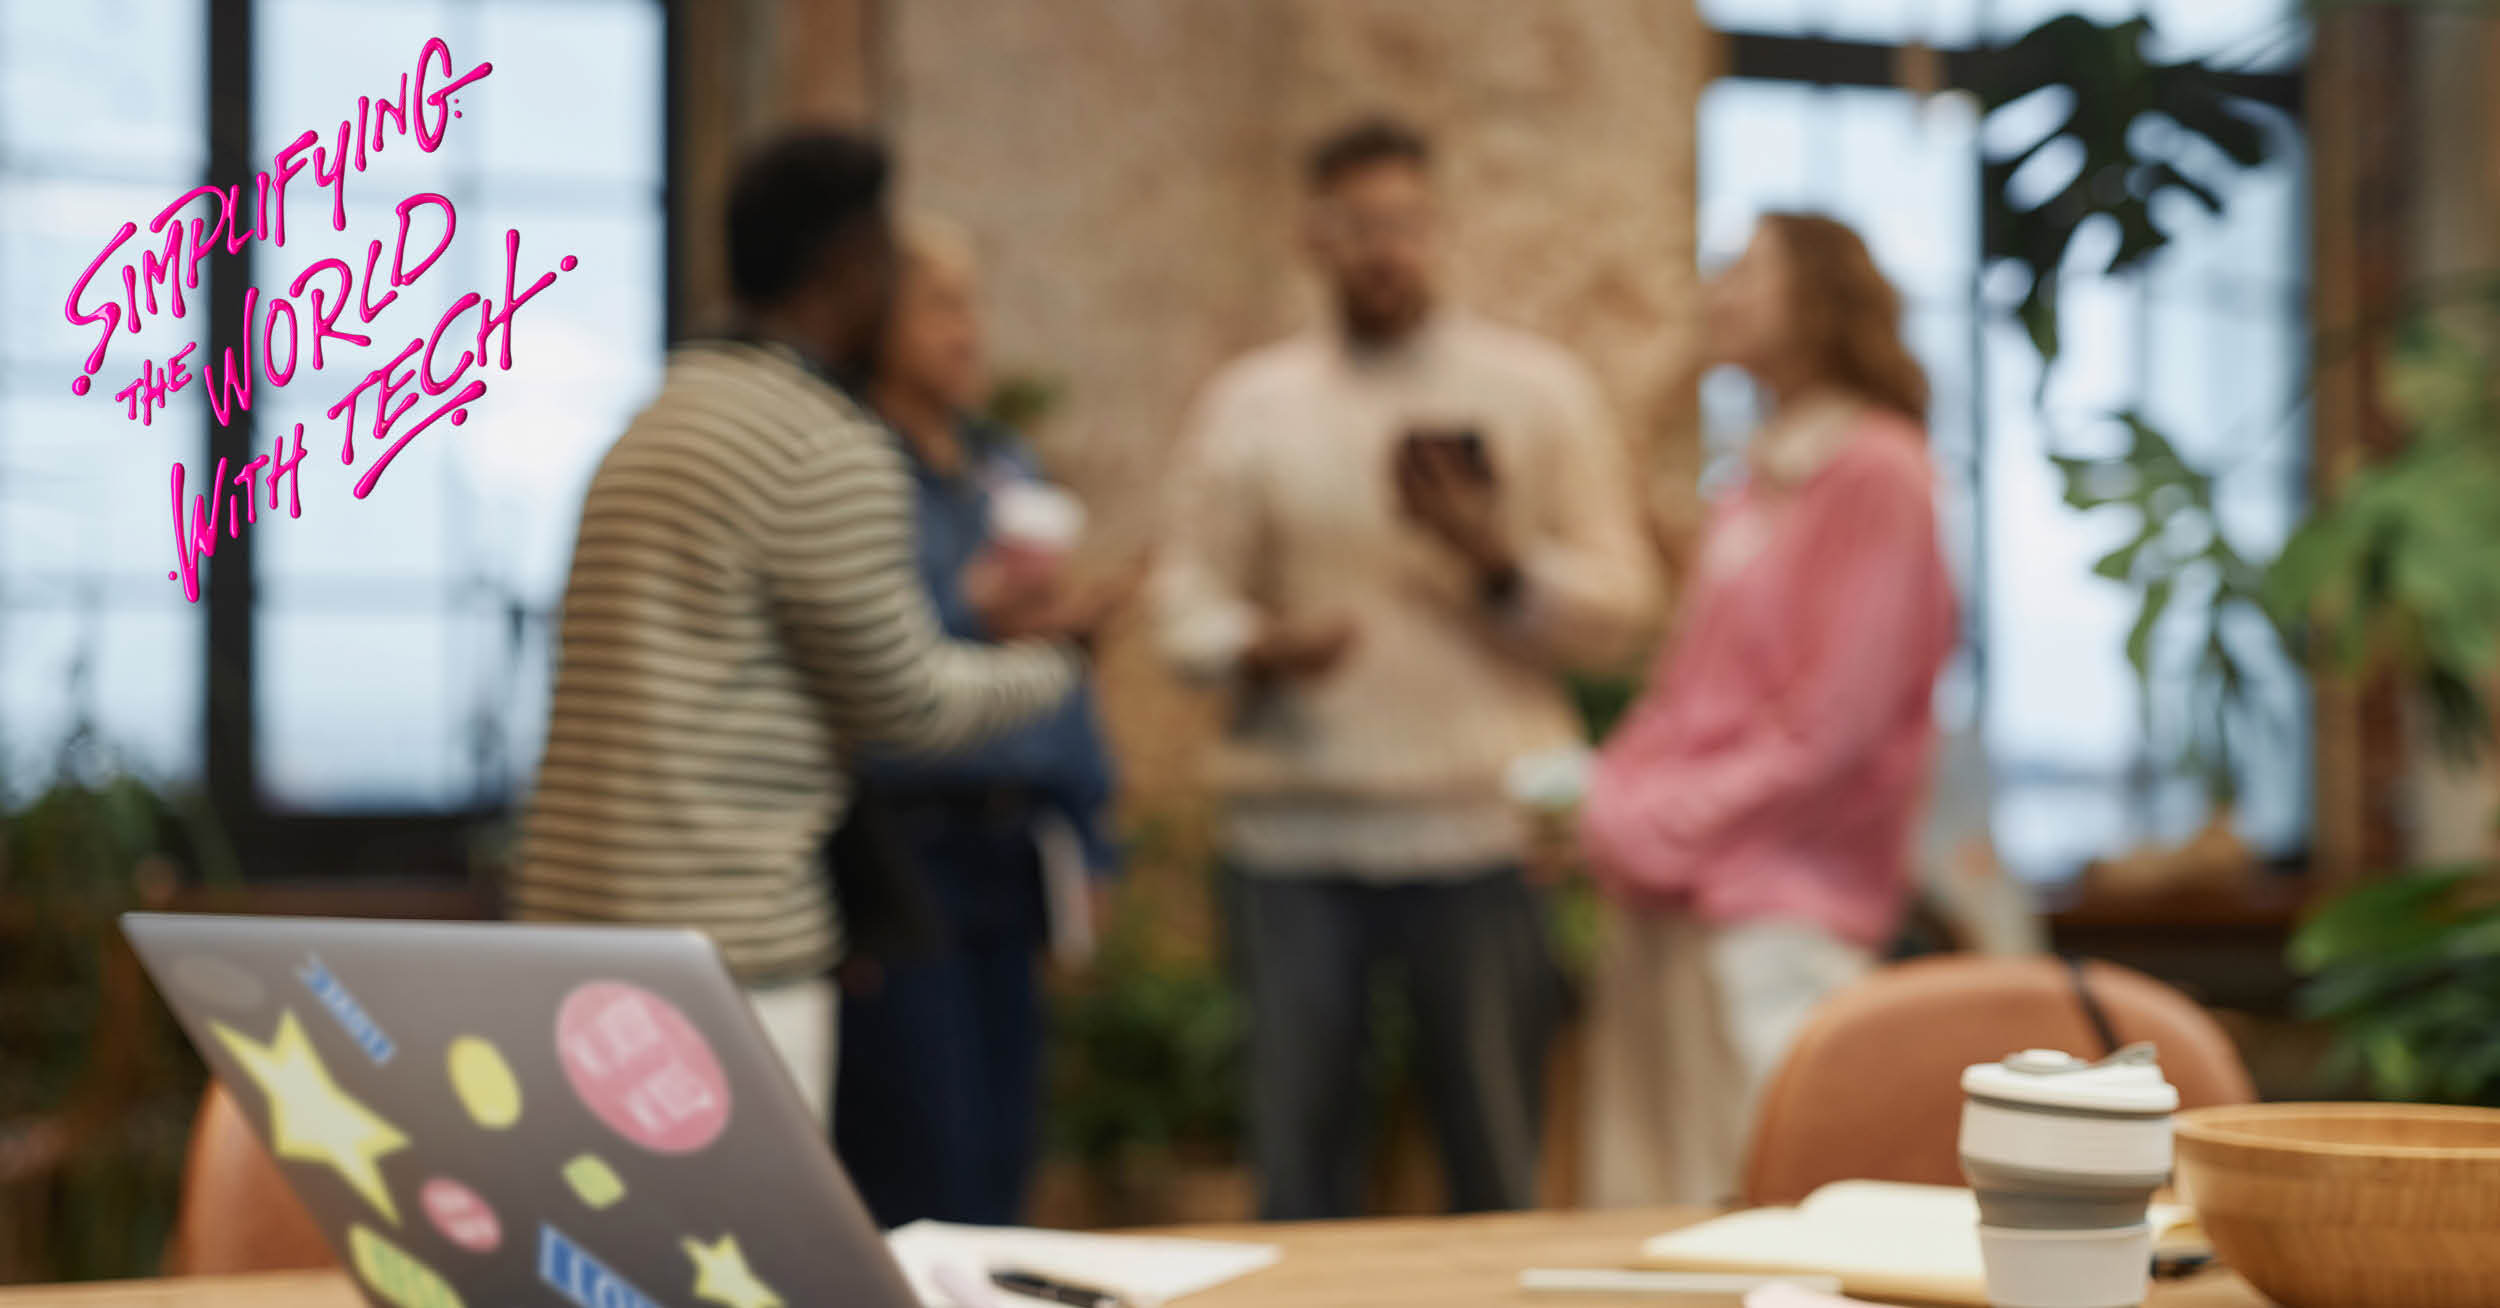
(2065, 1156)
(1019, 573)
(1034, 526)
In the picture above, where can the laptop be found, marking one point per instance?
(494, 1115)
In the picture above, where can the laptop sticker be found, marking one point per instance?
(638, 1064)
(462, 1216)
(484, 1083)
(395, 1277)
(570, 1271)
(594, 1182)
(721, 1276)
(351, 1015)
(312, 1120)
(219, 984)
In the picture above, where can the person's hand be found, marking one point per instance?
(1066, 608)
(1457, 500)
(1013, 591)
(1299, 651)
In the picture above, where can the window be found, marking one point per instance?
(99, 121)
(442, 584)
(2208, 341)
(395, 649)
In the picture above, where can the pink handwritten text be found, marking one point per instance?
(320, 316)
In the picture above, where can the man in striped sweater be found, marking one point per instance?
(743, 611)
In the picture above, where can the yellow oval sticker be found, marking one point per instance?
(485, 1084)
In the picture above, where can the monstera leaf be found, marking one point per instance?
(2186, 572)
(2115, 84)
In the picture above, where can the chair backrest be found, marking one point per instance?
(238, 1214)
(1872, 1087)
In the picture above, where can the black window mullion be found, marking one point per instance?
(232, 769)
(1827, 61)
(672, 114)
(281, 845)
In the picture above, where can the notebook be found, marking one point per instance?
(1145, 1270)
(1883, 1239)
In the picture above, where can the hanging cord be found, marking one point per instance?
(2091, 1005)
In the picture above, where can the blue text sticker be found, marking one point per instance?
(340, 1004)
(570, 1271)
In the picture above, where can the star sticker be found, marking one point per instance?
(311, 1120)
(721, 1276)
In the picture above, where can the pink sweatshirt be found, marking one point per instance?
(1772, 767)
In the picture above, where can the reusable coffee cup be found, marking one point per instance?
(2064, 1156)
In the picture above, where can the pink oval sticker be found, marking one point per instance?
(462, 1217)
(642, 1067)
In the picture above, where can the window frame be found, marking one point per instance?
(1823, 63)
(275, 843)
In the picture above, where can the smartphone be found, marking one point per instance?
(1465, 443)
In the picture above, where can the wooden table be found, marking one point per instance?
(1448, 1262)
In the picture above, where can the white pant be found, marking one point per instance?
(798, 1018)
(1687, 1023)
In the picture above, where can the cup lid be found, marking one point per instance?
(2129, 1081)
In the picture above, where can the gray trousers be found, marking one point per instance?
(1472, 969)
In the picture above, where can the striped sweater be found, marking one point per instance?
(743, 609)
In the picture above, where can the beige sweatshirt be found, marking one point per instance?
(1391, 765)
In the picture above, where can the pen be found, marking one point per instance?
(1034, 1285)
(2176, 1266)
(1609, 1280)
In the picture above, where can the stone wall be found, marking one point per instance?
(1566, 134)
(1129, 167)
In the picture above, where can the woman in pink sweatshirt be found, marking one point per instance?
(1751, 818)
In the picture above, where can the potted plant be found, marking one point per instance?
(2401, 570)
(1145, 1086)
(97, 1086)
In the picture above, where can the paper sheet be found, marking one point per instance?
(1789, 1296)
(1880, 1238)
(1143, 1269)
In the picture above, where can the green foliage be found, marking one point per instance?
(1576, 918)
(72, 859)
(1146, 1055)
(2115, 84)
(2401, 568)
(2182, 566)
(2177, 551)
(2408, 971)
(1601, 702)
(1020, 402)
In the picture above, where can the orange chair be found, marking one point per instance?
(237, 1214)
(1872, 1088)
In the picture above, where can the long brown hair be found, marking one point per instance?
(1848, 314)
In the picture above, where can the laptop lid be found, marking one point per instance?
(490, 1114)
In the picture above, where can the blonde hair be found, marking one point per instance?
(938, 240)
(1848, 313)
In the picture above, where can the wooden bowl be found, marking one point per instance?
(2350, 1205)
